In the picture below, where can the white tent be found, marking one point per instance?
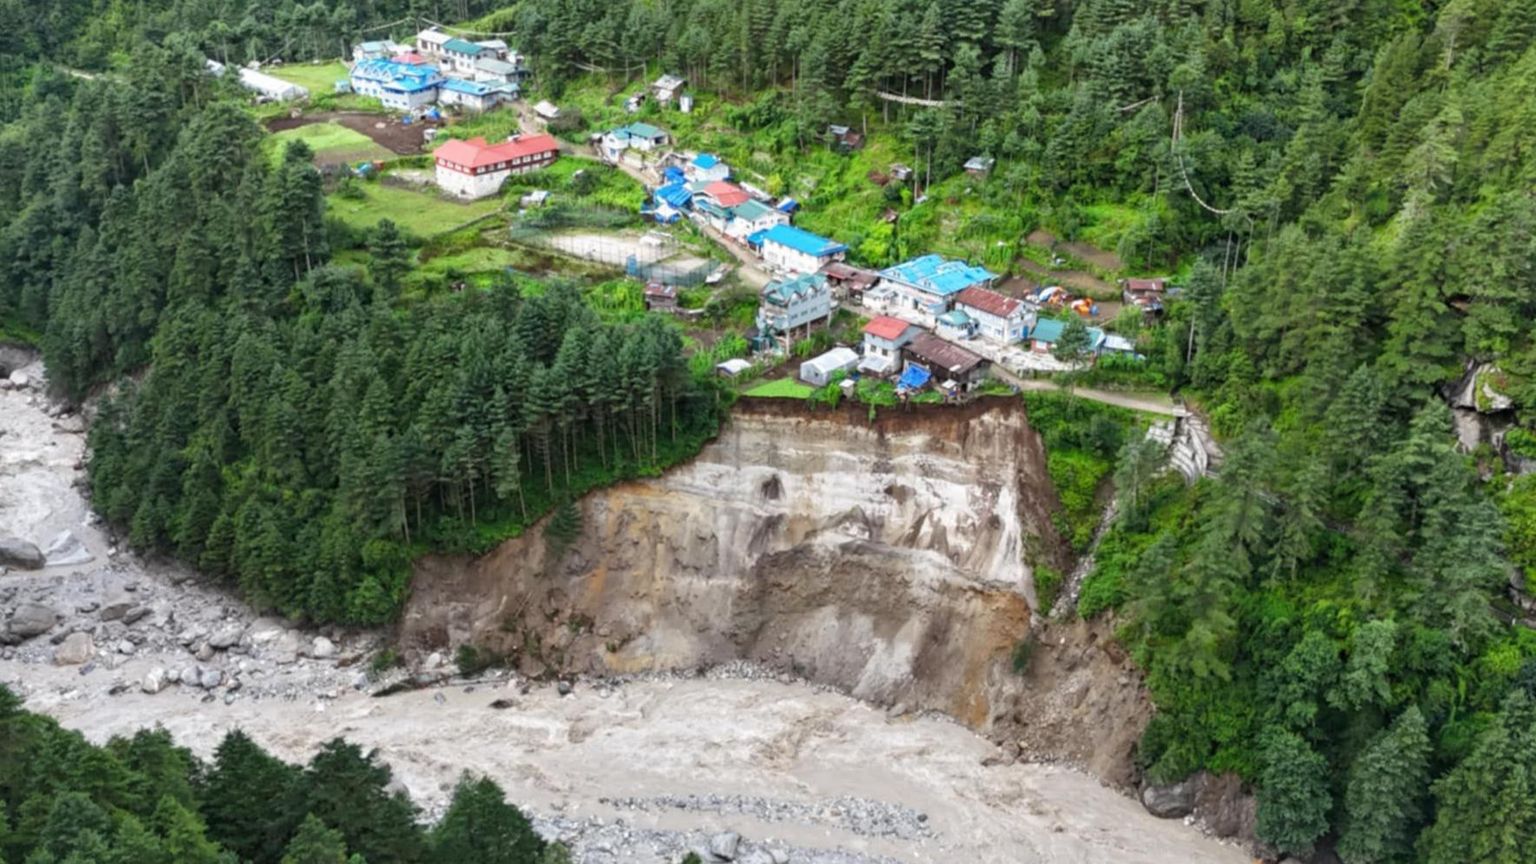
(733, 367)
(819, 370)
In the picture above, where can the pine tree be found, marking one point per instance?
(1293, 792)
(1486, 805)
(1382, 800)
(241, 773)
(481, 826)
(348, 791)
(315, 844)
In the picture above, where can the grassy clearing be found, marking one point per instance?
(422, 213)
(781, 388)
(318, 78)
(332, 143)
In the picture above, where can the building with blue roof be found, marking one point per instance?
(707, 168)
(402, 86)
(929, 283)
(1047, 333)
(475, 95)
(638, 136)
(797, 250)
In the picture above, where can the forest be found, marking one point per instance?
(1342, 185)
(144, 800)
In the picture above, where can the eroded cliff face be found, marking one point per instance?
(887, 558)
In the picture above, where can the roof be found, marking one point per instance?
(432, 34)
(460, 46)
(728, 194)
(269, 83)
(955, 318)
(979, 163)
(410, 58)
(495, 67)
(708, 207)
(546, 108)
(374, 47)
(801, 240)
(845, 272)
(1157, 284)
(837, 358)
(937, 275)
(1048, 330)
(459, 85)
(669, 82)
(675, 194)
(751, 210)
(706, 160)
(475, 153)
(782, 291)
(493, 44)
(988, 301)
(734, 366)
(1118, 343)
(948, 356)
(410, 77)
(914, 378)
(638, 130)
(886, 327)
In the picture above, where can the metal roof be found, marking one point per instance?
(473, 88)
(408, 77)
(706, 160)
(461, 46)
(937, 275)
(638, 130)
(804, 241)
(930, 349)
(752, 210)
(887, 328)
(784, 291)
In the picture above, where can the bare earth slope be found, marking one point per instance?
(639, 771)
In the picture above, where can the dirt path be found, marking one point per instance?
(1150, 402)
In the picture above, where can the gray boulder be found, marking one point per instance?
(32, 619)
(116, 608)
(137, 614)
(67, 550)
(210, 678)
(322, 648)
(76, 649)
(226, 637)
(1172, 801)
(723, 846)
(18, 553)
(758, 856)
(154, 681)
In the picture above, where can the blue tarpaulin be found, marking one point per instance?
(788, 205)
(915, 378)
(673, 174)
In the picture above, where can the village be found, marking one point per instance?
(927, 327)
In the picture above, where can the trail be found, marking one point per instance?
(642, 770)
(1149, 402)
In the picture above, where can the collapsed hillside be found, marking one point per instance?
(892, 558)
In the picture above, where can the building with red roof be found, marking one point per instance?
(726, 194)
(995, 316)
(475, 169)
(884, 337)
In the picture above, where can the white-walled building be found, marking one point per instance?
(706, 168)
(271, 86)
(431, 41)
(638, 136)
(797, 250)
(752, 216)
(818, 371)
(884, 337)
(790, 305)
(402, 86)
(475, 169)
(997, 318)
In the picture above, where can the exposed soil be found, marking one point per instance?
(1076, 281)
(1107, 261)
(385, 130)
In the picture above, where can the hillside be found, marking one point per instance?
(1339, 618)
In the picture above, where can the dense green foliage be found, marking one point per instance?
(300, 429)
(143, 799)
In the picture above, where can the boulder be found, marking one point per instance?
(67, 550)
(1225, 807)
(1171, 801)
(723, 846)
(758, 856)
(154, 680)
(32, 619)
(264, 631)
(137, 614)
(322, 648)
(76, 649)
(72, 424)
(286, 649)
(126, 647)
(204, 652)
(116, 608)
(225, 637)
(20, 380)
(18, 553)
(210, 678)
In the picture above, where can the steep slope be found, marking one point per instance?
(888, 557)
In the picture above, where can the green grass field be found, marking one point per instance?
(422, 213)
(782, 388)
(319, 78)
(332, 143)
